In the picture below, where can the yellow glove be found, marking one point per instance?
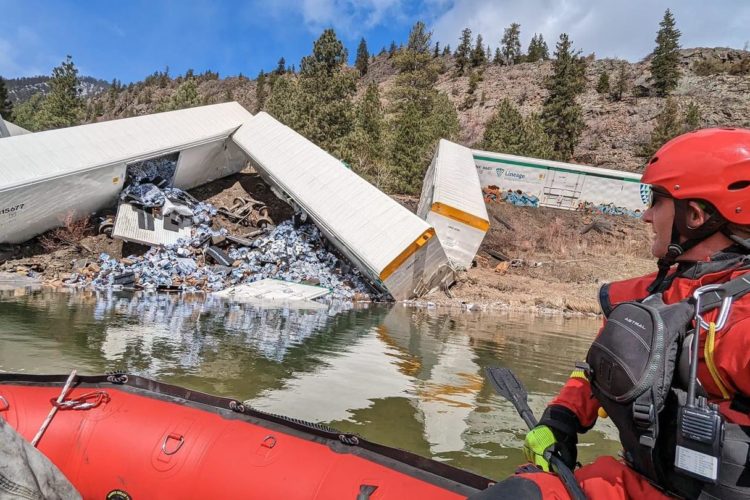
(539, 444)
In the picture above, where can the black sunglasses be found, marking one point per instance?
(654, 194)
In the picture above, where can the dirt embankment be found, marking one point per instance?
(532, 259)
(548, 260)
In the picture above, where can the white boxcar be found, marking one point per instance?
(4, 132)
(396, 250)
(8, 129)
(46, 175)
(453, 204)
(561, 185)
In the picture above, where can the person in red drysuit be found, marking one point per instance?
(700, 215)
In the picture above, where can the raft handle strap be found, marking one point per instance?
(117, 378)
(237, 406)
(366, 491)
(349, 439)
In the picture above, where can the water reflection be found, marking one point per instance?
(411, 378)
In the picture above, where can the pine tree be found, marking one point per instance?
(622, 82)
(561, 114)
(508, 132)
(478, 57)
(463, 52)
(27, 113)
(328, 57)
(436, 52)
(367, 142)
(504, 131)
(370, 116)
(63, 106)
(511, 44)
(114, 89)
(420, 114)
(538, 143)
(281, 66)
(474, 78)
(186, 96)
(602, 86)
(538, 50)
(162, 78)
(447, 50)
(283, 103)
(692, 117)
(392, 50)
(363, 58)
(6, 107)
(665, 64)
(498, 57)
(326, 87)
(668, 126)
(260, 92)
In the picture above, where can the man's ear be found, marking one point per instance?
(695, 215)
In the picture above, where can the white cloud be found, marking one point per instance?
(349, 17)
(609, 28)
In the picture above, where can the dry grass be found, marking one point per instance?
(539, 232)
(69, 234)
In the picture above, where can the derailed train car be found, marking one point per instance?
(80, 170)
(393, 248)
(452, 202)
(561, 185)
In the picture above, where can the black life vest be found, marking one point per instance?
(632, 366)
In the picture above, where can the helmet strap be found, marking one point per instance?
(744, 243)
(674, 250)
(714, 224)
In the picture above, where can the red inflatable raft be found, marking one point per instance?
(122, 436)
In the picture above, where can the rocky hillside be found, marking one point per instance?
(616, 131)
(20, 89)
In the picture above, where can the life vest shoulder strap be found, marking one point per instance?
(740, 403)
(617, 292)
(636, 289)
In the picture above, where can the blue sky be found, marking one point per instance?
(131, 39)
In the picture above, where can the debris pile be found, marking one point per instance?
(607, 209)
(518, 198)
(201, 264)
(158, 171)
(191, 251)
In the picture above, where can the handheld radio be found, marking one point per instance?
(700, 426)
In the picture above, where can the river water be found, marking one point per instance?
(404, 377)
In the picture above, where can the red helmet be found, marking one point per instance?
(711, 164)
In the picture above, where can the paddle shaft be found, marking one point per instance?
(527, 416)
(507, 385)
(60, 399)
